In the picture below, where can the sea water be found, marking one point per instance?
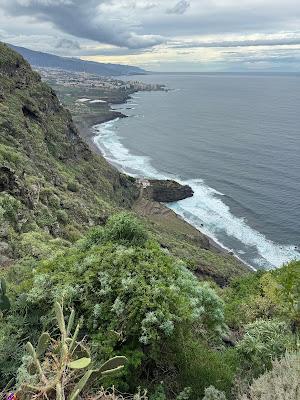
(235, 139)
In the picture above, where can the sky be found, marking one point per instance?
(161, 35)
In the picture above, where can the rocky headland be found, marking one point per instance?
(164, 191)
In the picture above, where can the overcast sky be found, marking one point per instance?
(162, 35)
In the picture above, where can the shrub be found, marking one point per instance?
(9, 207)
(73, 186)
(288, 289)
(250, 298)
(280, 383)
(132, 298)
(121, 228)
(71, 233)
(94, 237)
(40, 245)
(211, 393)
(125, 228)
(62, 216)
(263, 341)
(199, 366)
(140, 292)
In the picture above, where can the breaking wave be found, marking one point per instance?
(206, 210)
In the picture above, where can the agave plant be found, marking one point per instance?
(61, 368)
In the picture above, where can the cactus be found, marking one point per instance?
(80, 364)
(63, 366)
(43, 344)
(4, 300)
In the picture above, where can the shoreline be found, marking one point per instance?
(85, 126)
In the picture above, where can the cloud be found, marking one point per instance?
(179, 8)
(283, 41)
(67, 44)
(168, 32)
(83, 19)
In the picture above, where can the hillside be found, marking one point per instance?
(46, 60)
(51, 183)
(54, 187)
(102, 287)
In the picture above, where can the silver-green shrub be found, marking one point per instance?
(263, 341)
(211, 393)
(281, 383)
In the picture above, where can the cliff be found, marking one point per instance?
(54, 187)
(51, 182)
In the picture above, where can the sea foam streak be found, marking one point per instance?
(205, 210)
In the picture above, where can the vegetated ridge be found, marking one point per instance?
(46, 60)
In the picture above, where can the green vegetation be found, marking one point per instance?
(281, 383)
(137, 300)
(130, 286)
(61, 366)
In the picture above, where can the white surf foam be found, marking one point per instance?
(97, 101)
(82, 100)
(109, 143)
(205, 210)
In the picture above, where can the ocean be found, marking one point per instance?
(235, 139)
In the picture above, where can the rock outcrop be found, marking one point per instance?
(164, 191)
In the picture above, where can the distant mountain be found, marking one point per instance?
(39, 59)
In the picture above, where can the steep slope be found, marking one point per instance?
(50, 181)
(53, 187)
(39, 59)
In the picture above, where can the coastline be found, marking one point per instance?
(155, 211)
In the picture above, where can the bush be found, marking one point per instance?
(281, 383)
(141, 292)
(126, 229)
(121, 228)
(211, 393)
(73, 186)
(265, 295)
(62, 216)
(10, 208)
(132, 298)
(263, 341)
(249, 298)
(288, 290)
(40, 245)
(199, 366)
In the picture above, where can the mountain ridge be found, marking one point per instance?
(47, 60)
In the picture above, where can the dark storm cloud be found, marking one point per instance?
(179, 8)
(178, 32)
(82, 19)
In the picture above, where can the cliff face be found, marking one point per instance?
(50, 182)
(53, 188)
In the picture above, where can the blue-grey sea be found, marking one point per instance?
(236, 140)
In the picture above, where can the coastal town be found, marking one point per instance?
(85, 80)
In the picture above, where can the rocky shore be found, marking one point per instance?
(153, 193)
(164, 191)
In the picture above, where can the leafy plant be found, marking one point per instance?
(62, 367)
(280, 383)
(263, 341)
(211, 393)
